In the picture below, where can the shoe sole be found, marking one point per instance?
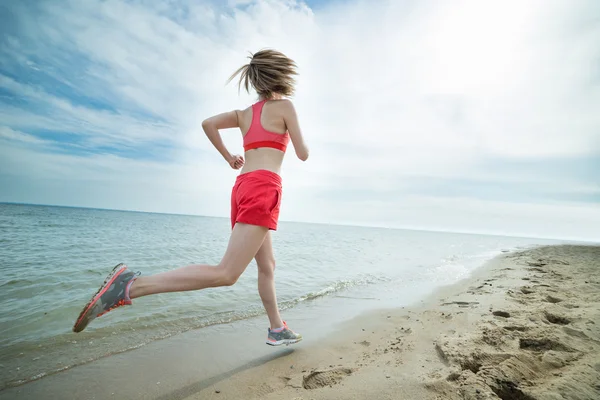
(107, 282)
(287, 342)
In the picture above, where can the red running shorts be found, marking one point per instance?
(256, 198)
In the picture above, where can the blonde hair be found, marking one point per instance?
(269, 72)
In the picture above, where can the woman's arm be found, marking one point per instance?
(293, 127)
(211, 127)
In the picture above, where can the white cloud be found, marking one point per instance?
(7, 133)
(58, 114)
(388, 91)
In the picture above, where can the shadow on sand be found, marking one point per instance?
(196, 387)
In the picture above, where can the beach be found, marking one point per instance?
(523, 326)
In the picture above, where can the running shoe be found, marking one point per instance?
(285, 336)
(113, 293)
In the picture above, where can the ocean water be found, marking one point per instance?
(52, 259)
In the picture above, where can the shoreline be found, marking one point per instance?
(412, 350)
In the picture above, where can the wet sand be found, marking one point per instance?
(524, 326)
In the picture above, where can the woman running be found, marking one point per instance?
(266, 127)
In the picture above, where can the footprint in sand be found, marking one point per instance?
(552, 299)
(517, 328)
(507, 389)
(542, 344)
(556, 319)
(541, 271)
(536, 264)
(502, 314)
(319, 379)
(526, 290)
(462, 304)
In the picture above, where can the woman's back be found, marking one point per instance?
(271, 118)
(266, 128)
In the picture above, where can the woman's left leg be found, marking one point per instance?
(265, 260)
(279, 332)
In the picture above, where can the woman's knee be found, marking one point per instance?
(227, 277)
(230, 280)
(266, 268)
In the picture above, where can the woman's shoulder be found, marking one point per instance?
(283, 106)
(280, 102)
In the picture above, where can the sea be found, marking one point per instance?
(53, 259)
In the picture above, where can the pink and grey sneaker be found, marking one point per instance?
(113, 293)
(283, 335)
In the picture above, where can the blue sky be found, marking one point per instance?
(470, 116)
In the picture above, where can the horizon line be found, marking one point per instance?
(354, 225)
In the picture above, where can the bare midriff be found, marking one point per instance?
(264, 158)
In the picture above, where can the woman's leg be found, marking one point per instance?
(265, 261)
(244, 243)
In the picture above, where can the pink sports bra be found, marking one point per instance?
(257, 136)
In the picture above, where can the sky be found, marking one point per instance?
(470, 115)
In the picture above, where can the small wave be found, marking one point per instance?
(94, 272)
(335, 287)
(16, 282)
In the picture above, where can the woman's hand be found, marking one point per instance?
(236, 161)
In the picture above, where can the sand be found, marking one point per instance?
(526, 326)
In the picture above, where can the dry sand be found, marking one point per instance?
(526, 326)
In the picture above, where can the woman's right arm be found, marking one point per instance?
(291, 121)
(211, 127)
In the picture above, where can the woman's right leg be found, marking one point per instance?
(243, 245)
(121, 285)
